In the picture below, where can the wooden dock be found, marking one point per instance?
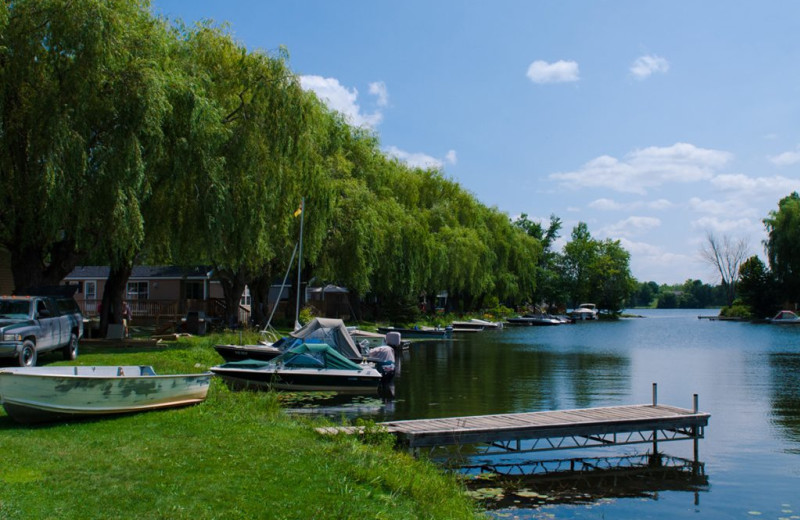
(611, 424)
(552, 430)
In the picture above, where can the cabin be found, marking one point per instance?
(156, 293)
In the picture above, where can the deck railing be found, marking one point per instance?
(162, 311)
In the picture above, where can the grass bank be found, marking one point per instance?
(237, 455)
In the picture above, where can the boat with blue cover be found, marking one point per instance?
(306, 367)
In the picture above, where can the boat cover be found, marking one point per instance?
(382, 354)
(331, 331)
(305, 355)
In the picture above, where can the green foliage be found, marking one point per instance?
(737, 310)
(757, 288)
(306, 314)
(596, 271)
(374, 434)
(783, 245)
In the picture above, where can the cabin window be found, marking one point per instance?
(138, 291)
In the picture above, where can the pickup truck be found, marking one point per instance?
(33, 324)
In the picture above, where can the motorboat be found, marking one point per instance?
(785, 318)
(40, 394)
(537, 320)
(584, 311)
(309, 366)
(475, 325)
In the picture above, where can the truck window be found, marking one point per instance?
(14, 308)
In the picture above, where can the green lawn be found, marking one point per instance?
(237, 455)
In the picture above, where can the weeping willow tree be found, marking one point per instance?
(82, 102)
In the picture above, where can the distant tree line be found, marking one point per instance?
(125, 139)
(692, 294)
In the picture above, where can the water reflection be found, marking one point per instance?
(785, 370)
(587, 481)
(485, 374)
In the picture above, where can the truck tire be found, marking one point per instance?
(27, 355)
(70, 351)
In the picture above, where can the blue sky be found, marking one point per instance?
(653, 122)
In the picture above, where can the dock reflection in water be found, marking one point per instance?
(582, 481)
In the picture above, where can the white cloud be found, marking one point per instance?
(344, 100)
(650, 262)
(659, 204)
(786, 158)
(732, 207)
(378, 89)
(606, 205)
(726, 226)
(750, 187)
(712, 207)
(422, 160)
(612, 205)
(631, 226)
(558, 72)
(415, 160)
(647, 168)
(645, 66)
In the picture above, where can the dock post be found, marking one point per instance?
(696, 465)
(655, 432)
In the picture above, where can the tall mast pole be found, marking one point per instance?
(299, 264)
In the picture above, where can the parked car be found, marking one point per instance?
(30, 325)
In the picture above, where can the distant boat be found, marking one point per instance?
(475, 325)
(306, 367)
(39, 394)
(785, 318)
(585, 311)
(537, 320)
(420, 332)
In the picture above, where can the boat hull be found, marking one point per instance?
(42, 394)
(534, 322)
(301, 380)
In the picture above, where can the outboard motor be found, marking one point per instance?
(393, 339)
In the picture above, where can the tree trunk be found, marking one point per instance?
(30, 270)
(259, 299)
(113, 294)
(233, 283)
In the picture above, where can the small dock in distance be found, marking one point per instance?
(552, 430)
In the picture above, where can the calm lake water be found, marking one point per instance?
(747, 377)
